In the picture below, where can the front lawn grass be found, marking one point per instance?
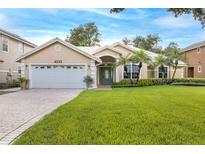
(147, 115)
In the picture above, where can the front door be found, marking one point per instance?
(190, 72)
(105, 74)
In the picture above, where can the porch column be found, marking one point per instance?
(117, 71)
(93, 73)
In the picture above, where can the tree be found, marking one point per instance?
(149, 42)
(160, 61)
(173, 58)
(126, 41)
(197, 13)
(140, 57)
(84, 35)
(171, 46)
(116, 10)
(123, 60)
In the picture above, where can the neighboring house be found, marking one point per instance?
(195, 57)
(11, 47)
(58, 64)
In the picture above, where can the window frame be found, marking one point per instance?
(131, 70)
(166, 72)
(198, 50)
(2, 44)
(199, 69)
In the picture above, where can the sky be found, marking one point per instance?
(41, 25)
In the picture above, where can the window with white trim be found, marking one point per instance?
(198, 50)
(131, 71)
(199, 69)
(5, 44)
(162, 72)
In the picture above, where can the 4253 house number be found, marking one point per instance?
(58, 61)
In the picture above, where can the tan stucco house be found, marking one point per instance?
(195, 55)
(59, 64)
(11, 47)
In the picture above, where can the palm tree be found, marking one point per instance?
(161, 60)
(140, 57)
(174, 57)
(123, 60)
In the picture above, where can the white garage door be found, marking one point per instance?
(58, 76)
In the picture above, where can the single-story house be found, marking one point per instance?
(59, 64)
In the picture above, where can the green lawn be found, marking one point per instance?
(147, 115)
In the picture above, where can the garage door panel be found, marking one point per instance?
(58, 76)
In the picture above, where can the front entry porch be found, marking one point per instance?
(106, 71)
(105, 75)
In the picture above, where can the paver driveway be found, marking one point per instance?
(20, 110)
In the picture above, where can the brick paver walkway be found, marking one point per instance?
(20, 110)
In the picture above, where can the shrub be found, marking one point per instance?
(153, 82)
(141, 83)
(23, 83)
(88, 80)
(13, 84)
(193, 80)
(188, 84)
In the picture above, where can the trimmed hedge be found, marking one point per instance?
(192, 80)
(141, 83)
(9, 85)
(153, 82)
(188, 84)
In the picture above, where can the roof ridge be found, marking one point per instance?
(194, 45)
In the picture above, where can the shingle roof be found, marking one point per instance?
(14, 36)
(193, 46)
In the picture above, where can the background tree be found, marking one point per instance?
(84, 35)
(149, 42)
(140, 57)
(172, 46)
(197, 13)
(126, 41)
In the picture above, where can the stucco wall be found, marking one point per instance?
(50, 55)
(10, 57)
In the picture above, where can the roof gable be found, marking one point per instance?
(106, 47)
(52, 42)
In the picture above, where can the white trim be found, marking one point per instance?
(4, 71)
(199, 67)
(122, 72)
(32, 64)
(117, 72)
(106, 47)
(59, 41)
(2, 40)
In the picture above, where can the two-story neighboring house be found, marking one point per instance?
(195, 57)
(11, 47)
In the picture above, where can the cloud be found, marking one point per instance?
(3, 20)
(45, 32)
(170, 22)
(103, 12)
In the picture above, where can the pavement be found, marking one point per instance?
(21, 109)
